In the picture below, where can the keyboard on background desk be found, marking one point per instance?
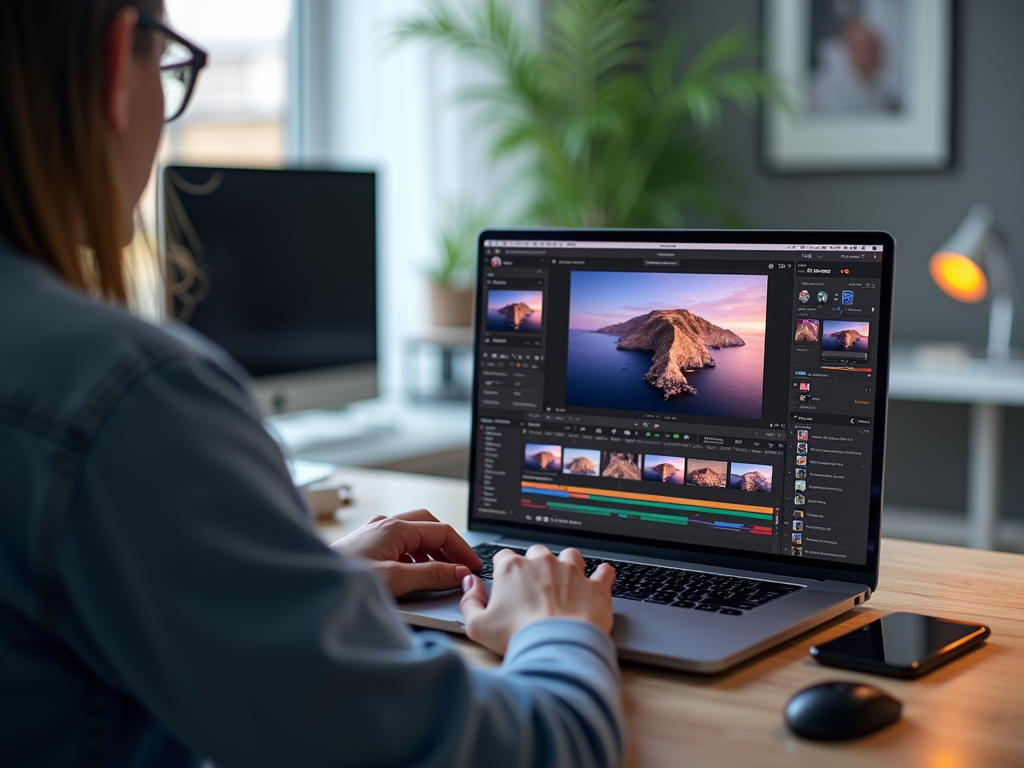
(678, 587)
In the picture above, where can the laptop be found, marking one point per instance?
(704, 410)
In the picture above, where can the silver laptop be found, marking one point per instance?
(705, 410)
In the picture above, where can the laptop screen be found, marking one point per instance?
(717, 395)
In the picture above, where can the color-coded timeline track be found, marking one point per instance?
(643, 506)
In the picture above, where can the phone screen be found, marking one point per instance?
(902, 640)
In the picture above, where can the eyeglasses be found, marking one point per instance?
(179, 67)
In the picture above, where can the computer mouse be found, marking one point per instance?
(839, 710)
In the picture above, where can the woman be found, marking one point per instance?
(163, 597)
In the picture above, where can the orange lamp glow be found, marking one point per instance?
(958, 276)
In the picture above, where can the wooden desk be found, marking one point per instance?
(970, 713)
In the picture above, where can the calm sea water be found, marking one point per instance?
(677, 479)
(532, 463)
(832, 344)
(498, 322)
(601, 376)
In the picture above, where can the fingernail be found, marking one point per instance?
(467, 583)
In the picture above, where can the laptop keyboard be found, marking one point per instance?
(699, 591)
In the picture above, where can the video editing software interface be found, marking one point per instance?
(704, 394)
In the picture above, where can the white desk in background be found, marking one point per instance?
(375, 433)
(928, 374)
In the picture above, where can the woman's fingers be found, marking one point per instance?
(605, 574)
(431, 537)
(573, 557)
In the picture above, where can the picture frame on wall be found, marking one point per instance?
(870, 84)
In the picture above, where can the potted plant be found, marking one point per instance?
(606, 128)
(453, 274)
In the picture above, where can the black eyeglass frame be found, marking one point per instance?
(196, 63)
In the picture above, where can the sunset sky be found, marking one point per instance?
(535, 448)
(735, 302)
(739, 468)
(499, 299)
(834, 326)
(569, 453)
(651, 460)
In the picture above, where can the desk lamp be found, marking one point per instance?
(970, 263)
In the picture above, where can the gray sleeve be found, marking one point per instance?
(195, 583)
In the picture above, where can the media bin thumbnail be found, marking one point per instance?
(667, 343)
(581, 461)
(845, 339)
(664, 469)
(545, 458)
(621, 466)
(515, 311)
(808, 331)
(750, 477)
(707, 473)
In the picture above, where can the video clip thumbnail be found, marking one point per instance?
(750, 477)
(621, 466)
(581, 461)
(706, 473)
(545, 458)
(665, 469)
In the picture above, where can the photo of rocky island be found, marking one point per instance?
(515, 311)
(581, 461)
(621, 466)
(845, 339)
(750, 477)
(706, 473)
(545, 458)
(664, 469)
(808, 331)
(667, 343)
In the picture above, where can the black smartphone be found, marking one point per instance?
(901, 645)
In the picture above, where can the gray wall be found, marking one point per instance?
(927, 452)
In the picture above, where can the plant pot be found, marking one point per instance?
(451, 307)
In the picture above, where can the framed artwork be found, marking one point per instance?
(870, 83)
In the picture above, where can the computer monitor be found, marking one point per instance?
(279, 268)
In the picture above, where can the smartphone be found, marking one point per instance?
(901, 645)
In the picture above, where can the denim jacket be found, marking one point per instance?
(164, 598)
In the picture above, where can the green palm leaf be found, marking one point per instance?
(605, 128)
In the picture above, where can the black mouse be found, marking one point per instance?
(840, 710)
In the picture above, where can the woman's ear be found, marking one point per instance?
(120, 43)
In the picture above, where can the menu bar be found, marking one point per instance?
(599, 245)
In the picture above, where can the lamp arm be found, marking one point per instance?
(1004, 288)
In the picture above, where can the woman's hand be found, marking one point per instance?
(538, 586)
(411, 552)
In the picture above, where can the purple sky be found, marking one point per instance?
(499, 299)
(534, 448)
(651, 460)
(572, 453)
(832, 326)
(739, 468)
(736, 302)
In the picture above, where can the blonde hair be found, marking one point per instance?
(56, 144)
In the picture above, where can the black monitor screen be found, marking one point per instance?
(285, 264)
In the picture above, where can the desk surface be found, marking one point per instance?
(969, 713)
(914, 375)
